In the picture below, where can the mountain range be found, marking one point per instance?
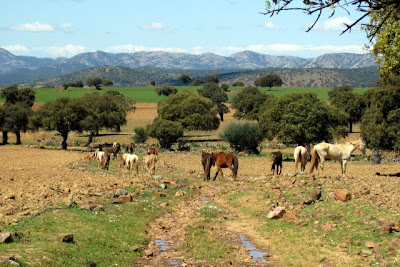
(22, 69)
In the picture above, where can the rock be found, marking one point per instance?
(159, 194)
(135, 248)
(276, 213)
(122, 199)
(122, 192)
(290, 216)
(163, 186)
(179, 193)
(148, 252)
(165, 181)
(369, 244)
(385, 229)
(5, 237)
(67, 238)
(314, 196)
(342, 195)
(157, 176)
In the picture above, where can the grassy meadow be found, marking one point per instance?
(148, 94)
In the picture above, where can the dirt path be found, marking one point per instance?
(168, 235)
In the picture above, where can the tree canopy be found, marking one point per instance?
(165, 131)
(217, 95)
(185, 79)
(192, 111)
(268, 80)
(166, 90)
(94, 81)
(299, 118)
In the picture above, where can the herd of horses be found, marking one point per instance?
(302, 154)
(128, 159)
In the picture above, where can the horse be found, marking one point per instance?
(92, 146)
(122, 159)
(105, 163)
(277, 162)
(114, 150)
(130, 148)
(150, 163)
(152, 150)
(340, 152)
(99, 157)
(207, 161)
(301, 154)
(130, 160)
(223, 160)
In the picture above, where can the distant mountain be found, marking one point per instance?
(22, 69)
(312, 77)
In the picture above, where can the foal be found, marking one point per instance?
(276, 162)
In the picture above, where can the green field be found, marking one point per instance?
(148, 94)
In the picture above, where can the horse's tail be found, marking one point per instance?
(207, 167)
(235, 166)
(297, 157)
(314, 160)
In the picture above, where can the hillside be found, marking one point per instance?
(21, 69)
(362, 77)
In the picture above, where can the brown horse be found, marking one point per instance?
(207, 161)
(114, 150)
(105, 163)
(152, 150)
(223, 160)
(129, 148)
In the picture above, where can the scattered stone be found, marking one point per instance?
(366, 252)
(135, 248)
(342, 195)
(67, 238)
(148, 252)
(159, 194)
(157, 176)
(327, 264)
(121, 192)
(122, 199)
(276, 213)
(163, 186)
(179, 193)
(342, 245)
(369, 244)
(290, 217)
(314, 196)
(5, 237)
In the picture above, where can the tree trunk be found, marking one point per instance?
(91, 135)
(18, 135)
(375, 158)
(64, 141)
(5, 138)
(118, 128)
(351, 126)
(221, 114)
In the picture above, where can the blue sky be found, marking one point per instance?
(64, 28)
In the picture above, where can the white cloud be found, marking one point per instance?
(66, 50)
(19, 49)
(271, 26)
(65, 27)
(334, 24)
(198, 50)
(153, 26)
(33, 27)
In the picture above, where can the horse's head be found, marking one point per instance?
(360, 144)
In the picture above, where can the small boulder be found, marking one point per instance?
(159, 194)
(342, 195)
(179, 193)
(67, 238)
(276, 213)
(5, 237)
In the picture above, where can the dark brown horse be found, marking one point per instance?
(152, 150)
(105, 163)
(114, 150)
(223, 160)
(129, 148)
(207, 161)
(276, 162)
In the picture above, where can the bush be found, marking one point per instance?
(237, 83)
(243, 136)
(225, 87)
(140, 135)
(165, 131)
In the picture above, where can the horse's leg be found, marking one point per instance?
(280, 171)
(322, 164)
(344, 163)
(216, 174)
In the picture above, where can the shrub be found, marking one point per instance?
(140, 135)
(243, 136)
(225, 87)
(165, 131)
(237, 83)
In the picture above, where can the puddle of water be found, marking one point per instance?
(174, 262)
(161, 245)
(256, 254)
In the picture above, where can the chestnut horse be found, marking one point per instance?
(129, 148)
(277, 162)
(223, 160)
(207, 161)
(152, 150)
(114, 150)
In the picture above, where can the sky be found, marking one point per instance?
(64, 28)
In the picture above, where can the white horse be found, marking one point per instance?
(301, 155)
(340, 152)
(150, 163)
(99, 155)
(130, 160)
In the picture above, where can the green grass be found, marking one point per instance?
(148, 94)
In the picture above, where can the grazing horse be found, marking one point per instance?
(277, 162)
(130, 160)
(301, 154)
(340, 152)
(114, 150)
(92, 146)
(152, 150)
(207, 161)
(105, 163)
(150, 163)
(223, 160)
(130, 148)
